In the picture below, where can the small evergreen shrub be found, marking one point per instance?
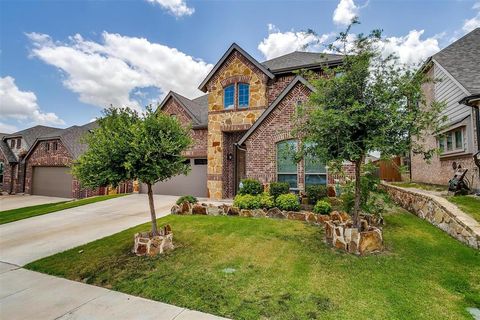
(322, 207)
(316, 192)
(266, 201)
(186, 198)
(288, 202)
(278, 188)
(246, 201)
(251, 186)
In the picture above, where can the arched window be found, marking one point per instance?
(229, 97)
(286, 164)
(243, 95)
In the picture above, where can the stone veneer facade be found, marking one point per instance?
(236, 69)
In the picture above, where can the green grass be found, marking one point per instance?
(468, 204)
(422, 186)
(284, 270)
(32, 211)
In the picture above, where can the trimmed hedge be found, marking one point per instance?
(316, 192)
(322, 207)
(251, 186)
(278, 188)
(288, 202)
(246, 201)
(186, 198)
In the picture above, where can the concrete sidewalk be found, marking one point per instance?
(20, 201)
(27, 294)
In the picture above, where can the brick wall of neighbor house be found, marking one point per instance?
(235, 69)
(199, 136)
(7, 171)
(439, 170)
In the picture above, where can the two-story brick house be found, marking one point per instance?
(243, 120)
(457, 71)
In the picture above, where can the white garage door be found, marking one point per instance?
(52, 181)
(195, 183)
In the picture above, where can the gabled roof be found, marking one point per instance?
(70, 137)
(196, 108)
(298, 60)
(274, 104)
(7, 152)
(31, 134)
(462, 60)
(232, 48)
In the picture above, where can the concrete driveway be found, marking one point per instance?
(30, 239)
(19, 201)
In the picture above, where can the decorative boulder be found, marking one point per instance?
(214, 210)
(275, 213)
(151, 245)
(335, 215)
(199, 209)
(292, 215)
(311, 217)
(322, 218)
(175, 210)
(185, 208)
(258, 213)
(224, 209)
(370, 241)
(246, 213)
(233, 211)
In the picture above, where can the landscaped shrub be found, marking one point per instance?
(246, 201)
(316, 192)
(251, 186)
(288, 202)
(266, 201)
(278, 188)
(186, 198)
(322, 207)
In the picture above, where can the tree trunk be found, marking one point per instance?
(356, 208)
(152, 209)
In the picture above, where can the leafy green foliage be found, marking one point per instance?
(288, 202)
(266, 200)
(315, 193)
(369, 103)
(251, 186)
(247, 201)
(187, 198)
(322, 207)
(278, 188)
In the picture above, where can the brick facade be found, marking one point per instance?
(199, 136)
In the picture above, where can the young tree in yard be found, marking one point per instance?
(369, 103)
(126, 146)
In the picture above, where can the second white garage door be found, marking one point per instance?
(195, 183)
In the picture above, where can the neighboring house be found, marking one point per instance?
(243, 121)
(40, 166)
(458, 69)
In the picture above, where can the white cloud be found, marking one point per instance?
(278, 43)
(22, 106)
(7, 128)
(345, 11)
(178, 8)
(411, 49)
(109, 72)
(472, 23)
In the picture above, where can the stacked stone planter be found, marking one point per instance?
(338, 225)
(151, 245)
(439, 212)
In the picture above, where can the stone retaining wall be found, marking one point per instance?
(439, 212)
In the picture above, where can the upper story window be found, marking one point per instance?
(451, 141)
(243, 95)
(55, 146)
(286, 164)
(47, 146)
(12, 143)
(19, 143)
(229, 97)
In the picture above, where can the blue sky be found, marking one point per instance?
(61, 62)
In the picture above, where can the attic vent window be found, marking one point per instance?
(55, 146)
(12, 143)
(19, 143)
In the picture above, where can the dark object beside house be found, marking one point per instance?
(459, 184)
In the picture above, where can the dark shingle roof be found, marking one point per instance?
(299, 59)
(197, 108)
(7, 152)
(71, 137)
(31, 134)
(462, 60)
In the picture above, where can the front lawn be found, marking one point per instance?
(32, 211)
(247, 268)
(468, 204)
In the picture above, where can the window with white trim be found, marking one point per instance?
(286, 164)
(451, 141)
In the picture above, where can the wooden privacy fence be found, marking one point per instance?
(389, 170)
